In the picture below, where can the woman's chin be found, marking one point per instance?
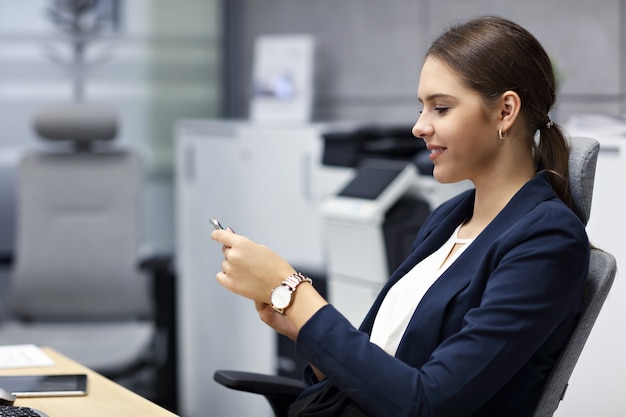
(444, 178)
(440, 176)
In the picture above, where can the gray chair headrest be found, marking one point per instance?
(77, 123)
(582, 170)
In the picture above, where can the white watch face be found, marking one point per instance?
(281, 297)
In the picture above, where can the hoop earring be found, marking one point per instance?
(501, 135)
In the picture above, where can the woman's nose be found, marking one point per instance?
(421, 128)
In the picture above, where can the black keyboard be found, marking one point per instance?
(16, 411)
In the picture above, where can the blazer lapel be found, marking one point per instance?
(427, 318)
(433, 239)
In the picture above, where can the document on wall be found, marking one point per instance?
(23, 356)
(282, 78)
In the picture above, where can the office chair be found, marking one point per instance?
(77, 284)
(8, 162)
(602, 271)
(281, 392)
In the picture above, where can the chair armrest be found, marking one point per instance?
(279, 391)
(157, 264)
(161, 269)
(259, 383)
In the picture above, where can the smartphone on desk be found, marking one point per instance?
(60, 385)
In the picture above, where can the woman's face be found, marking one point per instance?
(459, 129)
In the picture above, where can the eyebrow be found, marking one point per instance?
(436, 96)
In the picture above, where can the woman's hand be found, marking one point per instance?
(250, 269)
(276, 320)
(253, 271)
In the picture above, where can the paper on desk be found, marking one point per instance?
(23, 356)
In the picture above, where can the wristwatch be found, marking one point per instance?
(282, 296)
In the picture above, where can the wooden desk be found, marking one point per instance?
(105, 397)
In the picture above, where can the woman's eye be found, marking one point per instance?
(441, 109)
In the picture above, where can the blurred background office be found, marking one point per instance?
(167, 67)
(152, 61)
(149, 62)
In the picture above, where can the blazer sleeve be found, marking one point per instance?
(533, 277)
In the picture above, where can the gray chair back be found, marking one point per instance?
(77, 235)
(602, 271)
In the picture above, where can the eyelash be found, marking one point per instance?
(440, 110)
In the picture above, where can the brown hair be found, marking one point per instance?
(493, 55)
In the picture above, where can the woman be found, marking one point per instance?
(472, 321)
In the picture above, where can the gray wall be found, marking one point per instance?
(369, 52)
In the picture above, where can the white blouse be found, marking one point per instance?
(403, 298)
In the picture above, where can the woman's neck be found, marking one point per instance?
(490, 198)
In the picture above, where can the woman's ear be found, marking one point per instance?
(510, 106)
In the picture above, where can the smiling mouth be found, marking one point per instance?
(435, 152)
(434, 148)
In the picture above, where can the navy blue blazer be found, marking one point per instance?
(486, 334)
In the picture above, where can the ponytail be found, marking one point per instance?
(551, 155)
